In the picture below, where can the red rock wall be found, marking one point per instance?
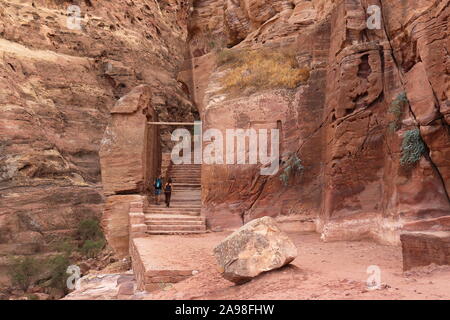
(338, 123)
(57, 87)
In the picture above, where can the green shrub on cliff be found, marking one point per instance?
(91, 248)
(65, 246)
(90, 229)
(57, 266)
(22, 271)
(92, 236)
(413, 148)
(252, 70)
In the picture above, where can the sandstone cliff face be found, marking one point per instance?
(57, 86)
(338, 123)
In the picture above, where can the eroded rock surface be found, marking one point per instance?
(340, 122)
(57, 87)
(104, 287)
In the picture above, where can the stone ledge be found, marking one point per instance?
(422, 248)
(152, 271)
(137, 218)
(165, 279)
(162, 273)
(137, 204)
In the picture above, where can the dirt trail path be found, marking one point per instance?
(321, 271)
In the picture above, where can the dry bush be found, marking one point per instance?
(252, 70)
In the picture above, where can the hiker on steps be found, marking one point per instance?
(158, 189)
(168, 191)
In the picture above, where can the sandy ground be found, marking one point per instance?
(336, 270)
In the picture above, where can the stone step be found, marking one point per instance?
(172, 217)
(174, 223)
(179, 227)
(177, 174)
(183, 193)
(197, 176)
(185, 177)
(172, 209)
(172, 232)
(184, 213)
(196, 204)
(192, 204)
(186, 196)
(186, 193)
(184, 174)
(187, 184)
(181, 172)
(174, 203)
(175, 178)
(175, 212)
(188, 190)
(178, 206)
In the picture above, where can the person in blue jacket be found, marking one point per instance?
(158, 189)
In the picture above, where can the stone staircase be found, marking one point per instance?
(184, 214)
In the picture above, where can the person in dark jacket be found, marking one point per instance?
(168, 188)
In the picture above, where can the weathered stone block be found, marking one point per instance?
(115, 222)
(424, 248)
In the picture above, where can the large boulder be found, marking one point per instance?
(257, 247)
